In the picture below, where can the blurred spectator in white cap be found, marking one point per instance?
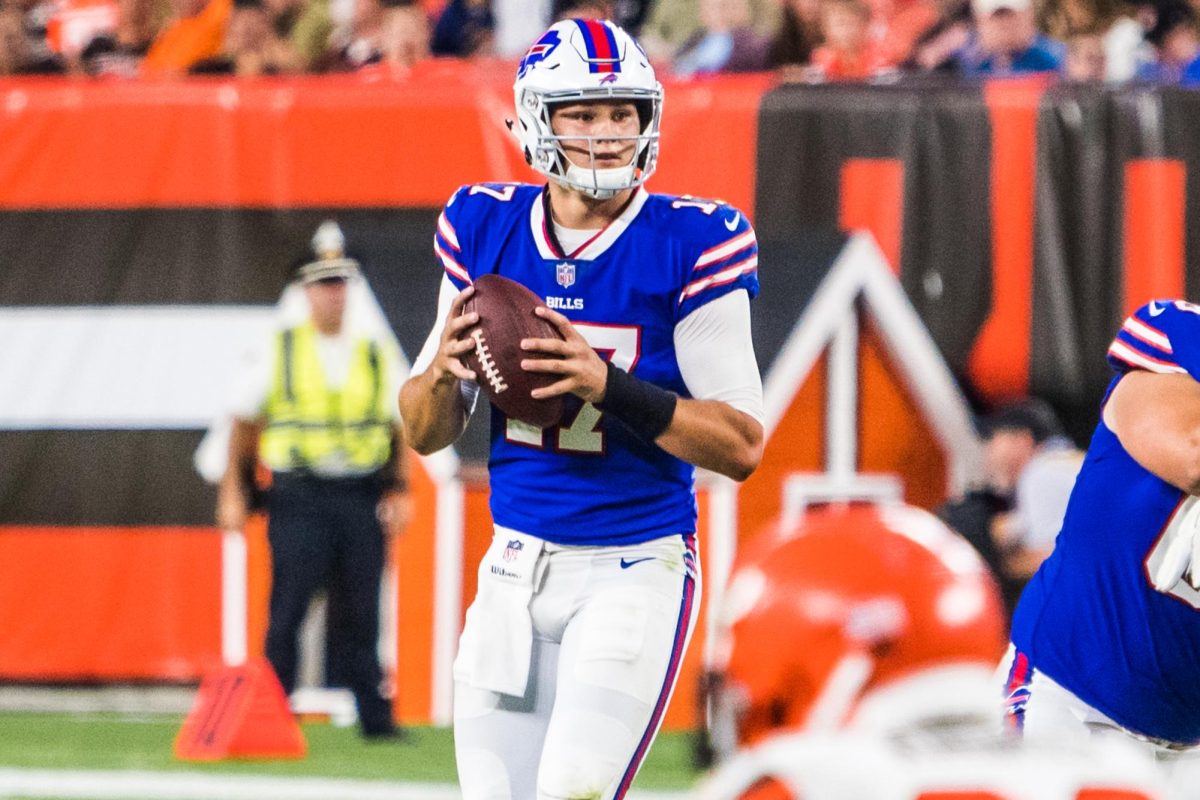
(1006, 41)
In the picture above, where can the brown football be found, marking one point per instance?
(506, 316)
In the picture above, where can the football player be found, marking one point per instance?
(589, 592)
(884, 689)
(1107, 633)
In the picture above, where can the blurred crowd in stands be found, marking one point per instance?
(804, 40)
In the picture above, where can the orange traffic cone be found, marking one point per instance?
(240, 712)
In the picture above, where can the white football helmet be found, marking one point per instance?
(583, 60)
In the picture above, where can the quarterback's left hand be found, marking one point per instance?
(584, 373)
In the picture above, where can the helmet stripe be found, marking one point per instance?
(615, 64)
(588, 41)
(601, 46)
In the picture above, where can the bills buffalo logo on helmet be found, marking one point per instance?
(541, 49)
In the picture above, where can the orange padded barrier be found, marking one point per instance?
(343, 141)
(164, 584)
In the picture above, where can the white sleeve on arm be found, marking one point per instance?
(446, 295)
(716, 354)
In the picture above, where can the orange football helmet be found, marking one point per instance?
(850, 599)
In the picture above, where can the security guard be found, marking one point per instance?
(318, 407)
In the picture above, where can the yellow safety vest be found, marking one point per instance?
(313, 426)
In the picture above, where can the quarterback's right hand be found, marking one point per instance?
(448, 365)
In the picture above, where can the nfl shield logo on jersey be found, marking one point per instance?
(566, 274)
(513, 549)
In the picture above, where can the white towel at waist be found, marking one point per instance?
(497, 640)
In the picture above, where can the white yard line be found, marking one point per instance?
(113, 785)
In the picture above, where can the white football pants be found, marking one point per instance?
(1038, 708)
(610, 625)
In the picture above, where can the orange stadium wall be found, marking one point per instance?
(123, 195)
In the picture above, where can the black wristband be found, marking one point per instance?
(645, 408)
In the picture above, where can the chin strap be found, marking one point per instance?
(592, 182)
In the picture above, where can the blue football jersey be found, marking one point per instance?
(1090, 618)
(591, 480)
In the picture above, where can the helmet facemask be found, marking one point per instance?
(548, 157)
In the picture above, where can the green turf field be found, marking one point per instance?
(115, 742)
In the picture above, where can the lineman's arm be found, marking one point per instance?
(431, 401)
(233, 495)
(1156, 417)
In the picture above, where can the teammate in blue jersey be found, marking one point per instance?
(1107, 633)
(589, 592)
